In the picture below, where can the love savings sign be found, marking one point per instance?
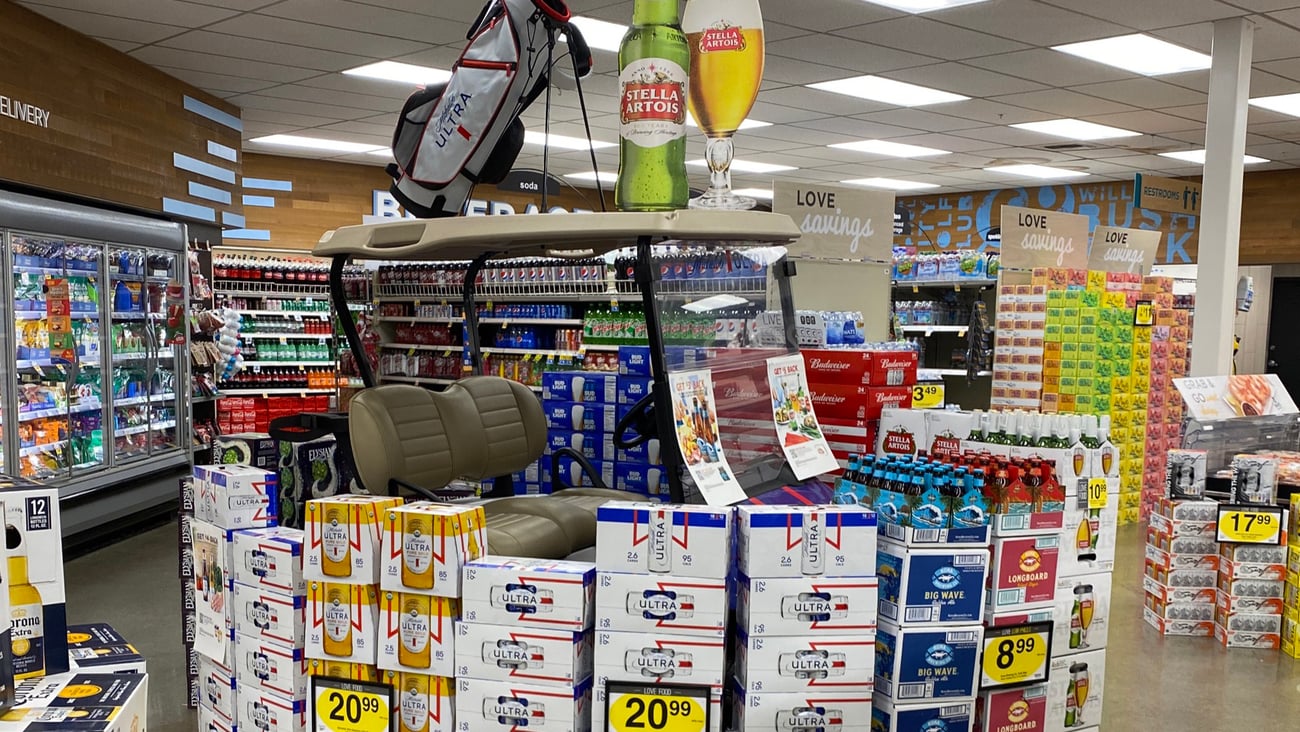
(1033, 238)
(838, 222)
(1123, 250)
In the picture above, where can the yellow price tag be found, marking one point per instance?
(1253, 525)
(350, 707)
(1015, 654)
(1097, 494)
(1144, 314)
(928, 396)
(652, 709)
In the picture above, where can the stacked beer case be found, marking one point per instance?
(523, 649)
(806, 616)
(662, 600)
(852, 388)
(424, 547)
(582, 408)
(1291, 600)
(1182, 562)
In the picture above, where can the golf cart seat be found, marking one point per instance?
(405, 438)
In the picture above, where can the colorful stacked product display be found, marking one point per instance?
(1170, 355)
(1182, 564)
(1291, 596)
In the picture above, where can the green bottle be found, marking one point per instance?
(654, 65)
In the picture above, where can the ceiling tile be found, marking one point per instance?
(311, 35)
(827, 15)
(389, 22)
(991, 112)
(1149, 14)
(277, 117)
(108, 26)
(847, 129)
(353, 102)
(216, 82)
(1279, 130)
(823, 101)
(967, 80)
(923, 35)
(1148, 93)
(1263, 6)
(170, 12)
(326, 112)
(951, 143)
(847, 54)
(1031, 21)
(791, 71)
(1050, 67)
(779, 114)
(361, 128)
(1064, 103)
(1146, 122)
(1280, 151)
(195, 61)
(235, 47)
(1272, 39)
(920, 119)
(123, 46)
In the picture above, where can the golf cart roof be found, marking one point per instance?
(551, 235)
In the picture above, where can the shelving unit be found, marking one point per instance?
(940, 342)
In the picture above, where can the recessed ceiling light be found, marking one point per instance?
(398, 71)
(1283, 103)
(890, 184)
(745, 166)
(602, 176)
(748, 124)
(922, 6)
(1139, 53)
(1075, 129)
(880, 89)
(600, 34)
(892, 149)
(760, 193)
(1198, 157)
(562, 141)
(315, 143)
(1036, 171)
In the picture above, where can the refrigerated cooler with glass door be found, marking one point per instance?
(93, 397)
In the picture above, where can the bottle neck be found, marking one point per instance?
(655, 12)
(17, 571)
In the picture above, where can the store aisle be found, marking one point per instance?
(1186, 683)
(1152, 683)
(132, 585)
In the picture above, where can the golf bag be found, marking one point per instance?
(467, 130)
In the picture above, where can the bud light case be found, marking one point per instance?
(936, 586)
(926, 663)
(886, 716)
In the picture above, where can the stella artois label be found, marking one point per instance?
(653, 108)
(899, 441)
(722, 37)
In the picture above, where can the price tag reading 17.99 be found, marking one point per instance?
(1015, 655)
(1251, 525)
(350, 706)
(638, 708)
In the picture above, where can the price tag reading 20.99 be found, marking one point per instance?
(636, 708)
(350, 706)
(1016, 655)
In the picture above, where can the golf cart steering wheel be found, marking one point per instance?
(640, 421)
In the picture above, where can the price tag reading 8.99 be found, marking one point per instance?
(1016, 655)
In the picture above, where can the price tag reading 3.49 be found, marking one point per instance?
(1252, 525)
(351, 706)
(1016, 655)
(928, 396)
(660, 708)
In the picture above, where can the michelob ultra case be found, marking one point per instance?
(425, 545)
(416, 633)
(342, 622)
(343, 538)
(424, 703)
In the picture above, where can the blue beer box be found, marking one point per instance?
(562, 386)
(639, 478)
(932, 586)
(641, 453)
(577, 478)
(634, 360)
(592, 445)
(579, 417)
(928, 717)
(631, 389)
(916, 664)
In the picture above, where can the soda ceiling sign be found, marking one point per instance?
(838, 222)
(1034, 238)
(1123, 250)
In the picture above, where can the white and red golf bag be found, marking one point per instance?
(452, 136)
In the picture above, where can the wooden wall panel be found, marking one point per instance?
(1270, 221)
(114, 122)
(327, 195)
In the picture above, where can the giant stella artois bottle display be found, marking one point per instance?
(654, 63)
(727, 57)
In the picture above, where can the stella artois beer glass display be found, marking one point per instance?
(653, 66)
(726, 39)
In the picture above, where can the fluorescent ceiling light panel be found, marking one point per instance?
(398, 71)
(1139, 53)
(891, 149)
(1075, 129)
(764, 194)
(890, 184)
(315, 143)
(1198, 157)
(880, 89)
(600, 34)
(562, 141)
(603, 176)
(748, 124)
(745, 166)
(1036, 171)
(922, 6)
(714, 302)
(1283, 103)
